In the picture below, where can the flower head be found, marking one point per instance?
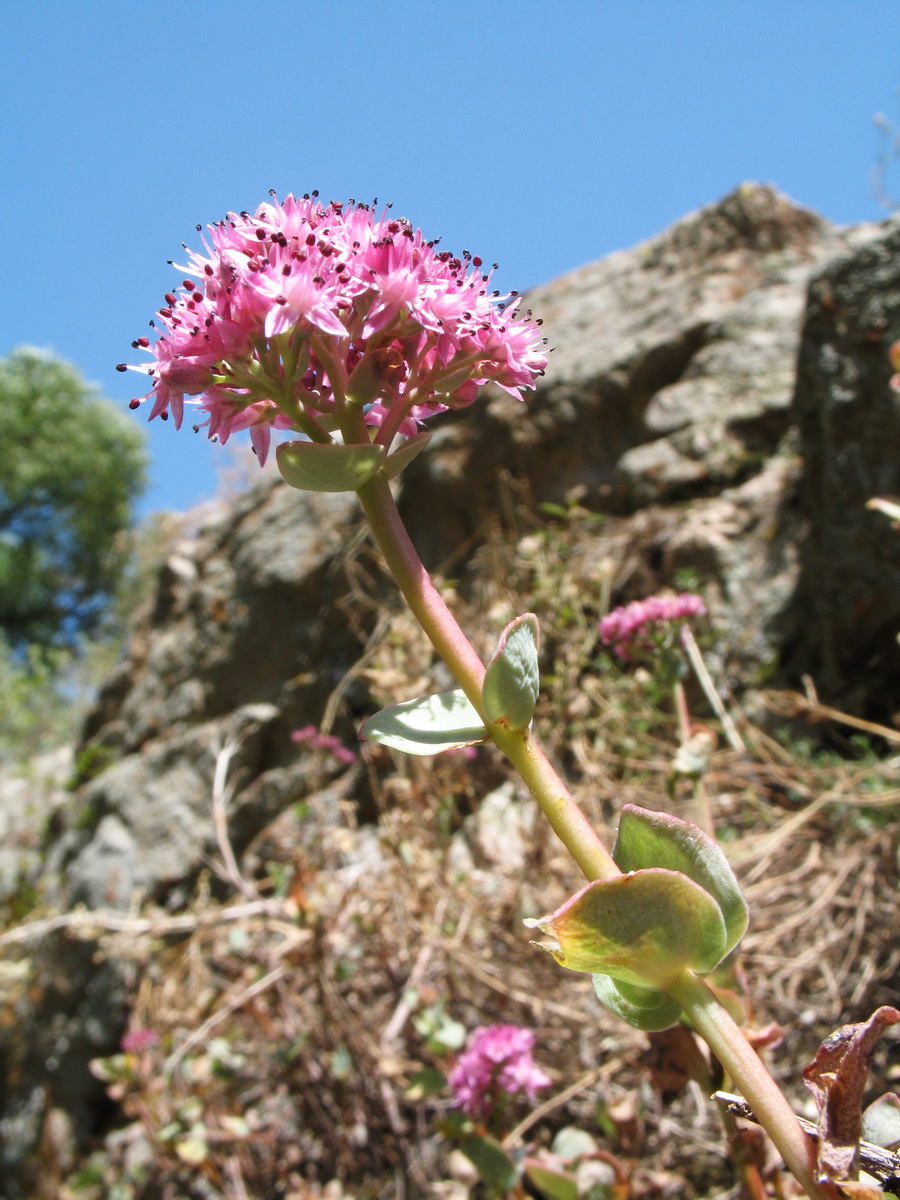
(496, 1062)
(292, 313)
(639, 626)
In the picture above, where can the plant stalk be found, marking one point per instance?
(749, 1073)
(429, 609)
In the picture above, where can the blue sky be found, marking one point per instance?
(540, 135)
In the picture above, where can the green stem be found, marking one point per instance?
(747, 1069)
(419, 592)
(682, 712)
(429, 609)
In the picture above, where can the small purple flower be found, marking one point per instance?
(496, 1061)
(327, 742)
(136, 1040)
(638, 626)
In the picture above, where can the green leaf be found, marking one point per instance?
(512, 680)
(644, 1008)
(657, 839)
(444, 721)
(329, 467)
(403, 455)
(193, 1149)
(493, 1164)
(341, 1064)
(881, 1121)
(425, 1083)
(643, 928)
(554, 1182)
(571, 1143)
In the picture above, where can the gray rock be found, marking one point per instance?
(671, 376)
(27, 804)
(846, 610)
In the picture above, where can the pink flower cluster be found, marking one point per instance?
(635, 626)
(327, 742)
(294, 310)
(497, 1061)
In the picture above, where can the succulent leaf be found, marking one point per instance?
(428, 725)
(512, 679)
(404, 455)
(316, 467)
(644, 1008)
(643, 928)
(657, 839)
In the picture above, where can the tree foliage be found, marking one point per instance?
(71, 467)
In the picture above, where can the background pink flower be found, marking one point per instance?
(635, 626)
(496, 1062)
(310, 736)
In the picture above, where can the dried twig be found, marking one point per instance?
(735, 741)
(222, 793)
(88, 923)
(883, 1164)
(791, 704)
(515, 1136)
(218, 1016)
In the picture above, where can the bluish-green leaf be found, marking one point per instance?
(572, 1143)
(657, 839)
(556, 1183)
(429, 725)
(426, 1083)
(512, 680)
(493, 1164)
(881, 1121)
(330, 467)
(643, 928)
(644, 1008)
(403, 455)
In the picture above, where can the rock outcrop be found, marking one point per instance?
(846, 605)
(720, 392)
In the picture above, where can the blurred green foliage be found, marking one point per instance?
(71, 467)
